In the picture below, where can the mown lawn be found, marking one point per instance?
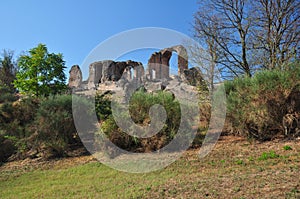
(234, 169)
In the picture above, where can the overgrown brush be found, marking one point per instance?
(256, 106)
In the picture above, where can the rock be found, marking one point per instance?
(75, 79)
(193, 77)
(182, 90)
(155, 86)
(173, 84)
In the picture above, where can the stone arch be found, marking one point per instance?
(182, 58)
(136, 70)
(159, 65)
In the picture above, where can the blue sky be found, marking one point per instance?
(74, 28)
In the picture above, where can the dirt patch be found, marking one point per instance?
(21, 166)
(237, 168)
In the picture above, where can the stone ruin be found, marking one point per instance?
(75, 79)
(103, 74)
(158, 64)
(108, 70)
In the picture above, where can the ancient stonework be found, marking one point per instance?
(75, 78)
(108, 74)
(193, 76)
(158, 64)
(108, 70)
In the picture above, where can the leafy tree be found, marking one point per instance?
(8, 69)
(41, 73)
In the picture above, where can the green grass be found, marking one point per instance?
(287, 148)
(92, 180)
(268, 155)
(230, 171)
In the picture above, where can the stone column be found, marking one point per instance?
(182, 64)
(165, 66)
(75, 78)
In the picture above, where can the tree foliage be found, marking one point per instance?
(41, 73)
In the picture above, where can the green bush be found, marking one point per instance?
(16, 120)
(6, 95)
(256, 106)
(141, 102)
(43, 126)
(54, 124)
(139, 106)
(102, 105)
(17, 117)
(7, 148)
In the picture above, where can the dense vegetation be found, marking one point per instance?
(43, 126)
(39, 122)
(257, 106)
(39, 127)
(139, 106)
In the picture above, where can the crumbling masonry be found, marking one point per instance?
(108, 70)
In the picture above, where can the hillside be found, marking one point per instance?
(236, 168)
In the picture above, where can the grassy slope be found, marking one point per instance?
(235, 169)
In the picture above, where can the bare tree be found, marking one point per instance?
(276, 31)
(204, 54)
(225, 26)
(8, 69)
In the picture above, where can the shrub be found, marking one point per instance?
(16, 120)
(17, 117)
(54, 125)
(139, 106)
(102, 105)
(256, 106)
(6, 95)
(43, 126)
(7, 148)
(141, 102)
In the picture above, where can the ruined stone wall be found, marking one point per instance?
(159, 66)
(108, 70)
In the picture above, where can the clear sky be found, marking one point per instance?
(75, 27)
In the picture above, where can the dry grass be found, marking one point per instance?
(236, 168)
